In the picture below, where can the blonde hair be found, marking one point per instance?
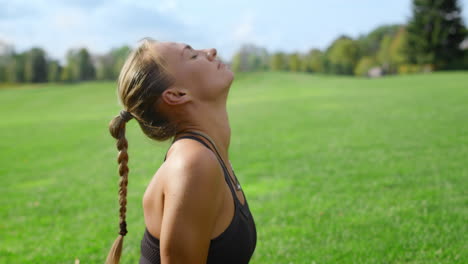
(142, 79)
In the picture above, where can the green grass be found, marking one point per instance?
(335, 169)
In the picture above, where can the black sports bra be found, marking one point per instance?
(236, 244)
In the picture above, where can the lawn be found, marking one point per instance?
(335, 169)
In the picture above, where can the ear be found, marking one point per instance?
(175, 96)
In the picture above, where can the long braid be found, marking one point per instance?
(117, 130)
(143, 78)
(122, 159)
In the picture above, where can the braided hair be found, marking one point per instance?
(142, 79)
(118, 132)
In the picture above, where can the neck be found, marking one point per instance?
(211, 121)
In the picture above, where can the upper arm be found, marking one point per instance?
(192, 198)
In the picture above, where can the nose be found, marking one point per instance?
(211, 53)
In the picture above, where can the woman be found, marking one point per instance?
(194, 208)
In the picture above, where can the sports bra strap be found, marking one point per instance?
(226, 173)
(191, 137)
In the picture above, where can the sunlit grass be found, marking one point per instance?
(335, 169)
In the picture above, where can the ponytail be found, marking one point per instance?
(117, 130)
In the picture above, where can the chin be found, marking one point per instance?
(230, 80)
(230, 75)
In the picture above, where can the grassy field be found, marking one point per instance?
(335, 169)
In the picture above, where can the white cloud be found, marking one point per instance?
(96, 25)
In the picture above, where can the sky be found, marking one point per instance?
(100, 25)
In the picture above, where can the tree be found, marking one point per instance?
(304, 63)
(364, 65)
(15, 68)
(119, 55)
(70, 72)
(108, 65)
(79, 66)
(316, 60)
(236, 64)
(35, 66)
(6, 54)
(343, 56)
(104, 66)
(250, 57)
(392, 51)
(435, 32)
(397, 47)
(2, 73)
(53, 71)
(369, 44)
(278, 62)
(294, 62)
(86, 69)
(383, 55)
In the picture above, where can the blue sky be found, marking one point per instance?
(101, 25)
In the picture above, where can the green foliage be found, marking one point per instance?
(279, 62)
(370, 44)
(294, 62)
(236, 62)
(392, 51)
(343, 55)
(86, 69)
(250, 58)
(3, 73)
(118, 56)
(108, 65)
(71, 70)
(79, 66)
(435, 33)
(54, 71)
(364, 65)
(409, 68)
(35, 68)
(316, 60)
(431, 39)
(397, 47)
(304, 63)
(383, 55)
(15, 68)
(104, 67)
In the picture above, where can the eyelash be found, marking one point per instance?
(194, 56)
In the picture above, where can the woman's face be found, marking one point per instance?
(198, 72)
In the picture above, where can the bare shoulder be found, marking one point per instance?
(190, 165)
(192, 201)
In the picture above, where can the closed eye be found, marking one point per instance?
(194, 56)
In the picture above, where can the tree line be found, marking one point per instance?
(35, 66)
(435, 38)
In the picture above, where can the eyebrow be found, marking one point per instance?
(186, 47)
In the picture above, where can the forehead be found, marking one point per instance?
(170, 51)
(169, 48)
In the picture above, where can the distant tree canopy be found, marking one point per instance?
(343, 55)
(250, 58)
(435, 32)
(34, 65)
(108, 65)
(435, 38)
(278, 62)
(369, 44)
(431, 40)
